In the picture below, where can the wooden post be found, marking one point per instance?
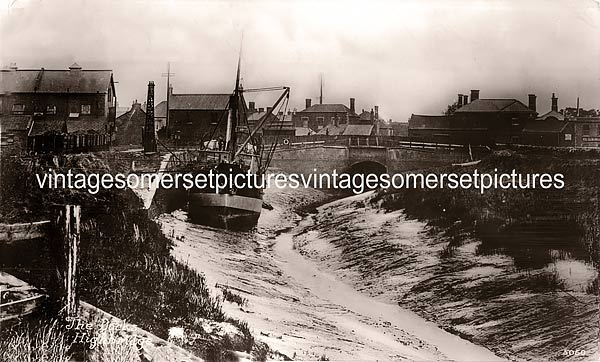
(68, 230)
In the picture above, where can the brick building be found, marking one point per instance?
(551, 129)
(73, 102)
(316, 117)
(586, 131)
(481, 121)
(196, 118)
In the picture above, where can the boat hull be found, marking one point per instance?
(225, 211)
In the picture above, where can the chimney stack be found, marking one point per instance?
(532, 102)
(465, 99)
(460, 100)
(260, 110)
(308, 102)
(352, 100)
(376, 113)
(252, 106)
(577, 106)
(554, 103)
(474, 95)
(269, 109)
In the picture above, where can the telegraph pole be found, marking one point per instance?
(168, 74)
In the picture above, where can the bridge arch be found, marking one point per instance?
(367, 167)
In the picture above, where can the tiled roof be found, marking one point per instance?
(358, 130)
(86, 125)
(15, 122)
(160, 110)
(198, 101)
(426, 122)
(332, 130)
(494, 105)
(549, 125)
(54, 81)
(47, 126)
(134, 111)
(554, 114)
(327, 108)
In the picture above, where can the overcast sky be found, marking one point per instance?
(407, 57)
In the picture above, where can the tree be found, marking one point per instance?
(451, 109)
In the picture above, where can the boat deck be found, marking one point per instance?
(17, 298)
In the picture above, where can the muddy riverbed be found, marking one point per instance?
(354, 282)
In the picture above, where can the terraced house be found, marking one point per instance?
(68, 110)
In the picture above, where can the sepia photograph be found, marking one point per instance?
(299, 180)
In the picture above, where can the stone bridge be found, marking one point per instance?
(364, 159)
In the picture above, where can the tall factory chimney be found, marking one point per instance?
(554, 103)
(149, 136)
(352, 105)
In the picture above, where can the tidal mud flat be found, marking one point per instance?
(297, 306)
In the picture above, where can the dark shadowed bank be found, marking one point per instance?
(126, 266)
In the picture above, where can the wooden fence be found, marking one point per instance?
(64, 232)
(65, 143)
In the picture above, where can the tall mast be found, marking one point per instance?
(168, 91)
(233, 112)
(321, 94)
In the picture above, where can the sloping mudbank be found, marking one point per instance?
(515, 271)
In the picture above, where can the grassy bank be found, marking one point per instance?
(575, 207)
(126, 266)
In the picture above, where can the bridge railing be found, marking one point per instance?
(365, 141)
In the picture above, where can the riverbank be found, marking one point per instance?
(125, 264)
(296, 306)
(514, 271)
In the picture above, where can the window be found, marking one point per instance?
(86, 109)
(334, 121)
(7, 139)
(320, 121)
(586, 129)
(50, 109)
(568, 137)
(18, 108)
(304, 121)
